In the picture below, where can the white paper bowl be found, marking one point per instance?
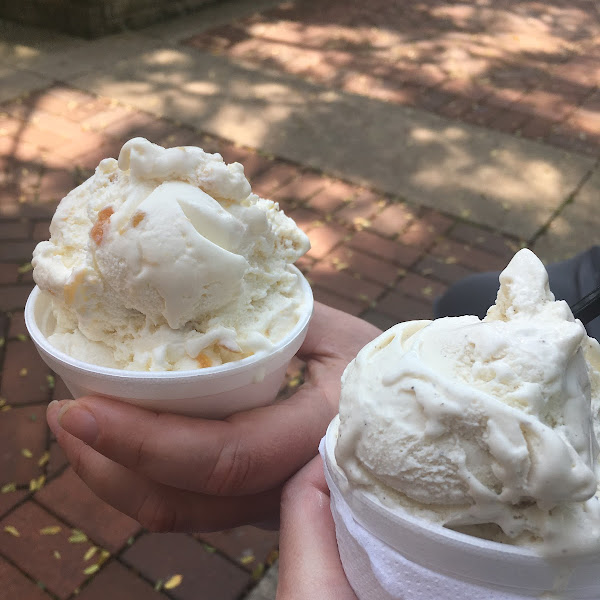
(212, 392)
(394, 555)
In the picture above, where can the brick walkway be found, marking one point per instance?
(527, 68)
(372, 254)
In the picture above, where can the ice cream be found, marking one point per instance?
(486, 427)
(164, 260)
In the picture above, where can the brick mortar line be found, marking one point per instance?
(570, 199)
(45, 590)
(118, 556)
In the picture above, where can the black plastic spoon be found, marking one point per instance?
(588, 308)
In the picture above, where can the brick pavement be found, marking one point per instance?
(373, 254)
(526, 68)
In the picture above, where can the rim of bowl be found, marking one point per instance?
(228, 368)
(434, 532)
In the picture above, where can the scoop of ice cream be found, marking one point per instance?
(164, 253)
(475, 421)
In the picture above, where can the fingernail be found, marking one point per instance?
(79, 422)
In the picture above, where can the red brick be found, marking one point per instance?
(102, 119)
(137, 124)
(19, 386)
(370, 243)
(9, 126)
(115, 582)
(465, 91)
(426, 229)
(14, 230)
(586, 120)
(26, 151)
(17, 324)
(324, 239)
(353, 307)
(482, 115)
(55, 185)
(368, 267)
(54, 123)
(344, 284)
(205, 574)
(60, 391)
(484, 239)
(456, 108)
(438, 268)
(393, 219)
(508, 120)
(407, 95)
(361, 209)
(433, 99)
(178, 136)
(592, 102)
(23, 178)
(301, 189)
(9, 500)
(330, 198)
(15, 205)
(305, 264)
(378, 319)
(13, 297)
(431, 75)
(69, 498)
(571, 140)
(16, 585)
(41, 138)
(21, 107)
(22, 428)
(305, 219)
(419, 287)
(536, 128)
(41, 231)
(87, 142)
(277, 175)
(206, 142)
(16, 251)
(505, 97)
(547, 105)
(9, 273)
(247, 546)
(70, 103)
(470, 257)
(580, 71)
(33, 553)
(253, 163)
(90, 158)
(403, 308)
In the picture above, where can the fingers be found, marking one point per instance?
(247, 454)
(309, 563)
(159, 507)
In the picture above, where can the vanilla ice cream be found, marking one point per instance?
(486, 427)
(165, 260)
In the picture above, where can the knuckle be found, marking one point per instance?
(230, 472)
(78, 461)
(155, 514)
(142, 452)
